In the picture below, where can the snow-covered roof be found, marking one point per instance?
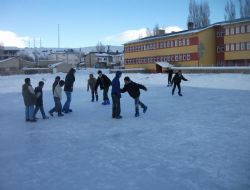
(4, 60)
(101, 54)
(55, 64)
(164, 64)
(186, 32)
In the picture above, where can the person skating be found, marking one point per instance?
(91, 85)
(29, 98)
(104, 83)
(177, 82)
(116, 96)
(170, 74)
(134, 91)
(39, 100)
(68, 89)
(57, 79)
(57, 99)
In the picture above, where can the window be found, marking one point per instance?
(168, 44)
(176, 43)
(227, 31)
(180, 42)
(172, 44)
(248, 45)
(232, 47)
(227, 47)
(161, 44)
(184, 42)
(242, 46)
(242, 28)
(237, 46)
(237, 30)
(218, 49)
(180, 57)
(217, 34)
(188, 43)
(184, 57)
(168, 58)
(248, 28)
(172, 58)
(232, 31)
(176, 57)
(188, 56)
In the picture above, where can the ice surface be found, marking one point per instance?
(198, 141)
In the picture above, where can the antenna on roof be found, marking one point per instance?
(58, 36)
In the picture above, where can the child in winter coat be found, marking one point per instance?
(177, 82)
(57, 98)
(39, 100)
(104, 83)
(91, 85)
(29, 99)
(116, 96)
(134, 91)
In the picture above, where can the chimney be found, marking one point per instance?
(190, 26)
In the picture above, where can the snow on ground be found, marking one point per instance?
(198, 141)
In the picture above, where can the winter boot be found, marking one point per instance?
(108, 102)
(137, 114)
(96, 98)
(145, 109)
(104, 102)
(180, 94)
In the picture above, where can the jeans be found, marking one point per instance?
(116, 108)
(137, 103)
(94, 95)
(29, 112)
(67, 103)
(179, 88)
(105, 94)
(58, 106)
(41, 110)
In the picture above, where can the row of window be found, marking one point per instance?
(158, 45)
(238, 46)
(169, 58)
(237, 30)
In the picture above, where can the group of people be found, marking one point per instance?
(34, 97)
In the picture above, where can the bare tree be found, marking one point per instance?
(230, 13)
(148, 32)
(1, 50)
(199, 14)
(244, 8)
(156, 30)
(100, 47)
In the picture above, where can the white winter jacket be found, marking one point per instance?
(58, 91)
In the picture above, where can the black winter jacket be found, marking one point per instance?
(177, 78)
(39, 100)
(69, 82)
(103, 81)
(133, 89)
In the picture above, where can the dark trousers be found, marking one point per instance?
(41, 110)
(94, 95)
(116, 106)
(105, 94)
(169, 79)
(58, 106)
(178, 86)
(137, 104)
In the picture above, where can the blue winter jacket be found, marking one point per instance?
(116, 84)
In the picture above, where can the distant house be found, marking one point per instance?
(10, 66)
(104, 60)
(60, 67)
(8, 52)
(70, 57)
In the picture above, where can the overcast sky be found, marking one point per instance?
(85, 23)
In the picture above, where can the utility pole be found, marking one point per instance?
(34, 41)
(58, 36)
(40, 42)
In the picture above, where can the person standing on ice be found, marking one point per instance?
(57, 98)
(116, 96)
(134, 91)
(170, 74)
(68, 89)
(91, 85)
(177, 82)
(29, 98)
(104, 83)
(39, 100)
(57, 79)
